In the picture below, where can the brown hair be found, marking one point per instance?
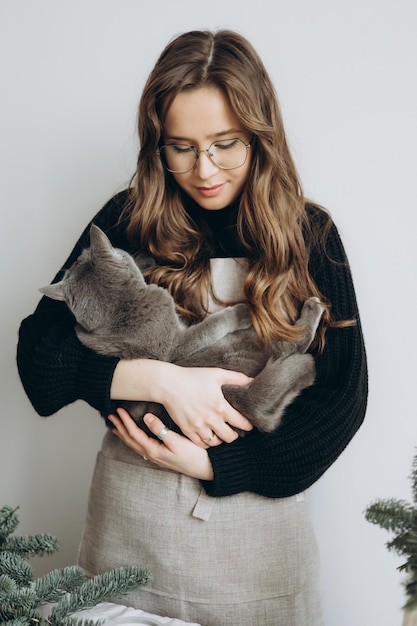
(272, 220)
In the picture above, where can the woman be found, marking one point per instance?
(222, 521)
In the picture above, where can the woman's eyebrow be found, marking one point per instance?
(222, 133)
(228, 132)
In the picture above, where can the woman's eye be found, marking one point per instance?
(226, 145)
(181, 149)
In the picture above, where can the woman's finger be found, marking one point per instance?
(126, 429)
(171, 450)
(158, 428)
(126, 426)
(233, 417)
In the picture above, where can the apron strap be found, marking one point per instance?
(203, 507)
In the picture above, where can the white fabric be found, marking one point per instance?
(228, 276)
(115, 614)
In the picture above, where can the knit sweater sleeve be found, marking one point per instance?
(319, 424)
(54, 367)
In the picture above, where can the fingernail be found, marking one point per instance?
(148, 419)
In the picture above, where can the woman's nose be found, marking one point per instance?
(204, 167)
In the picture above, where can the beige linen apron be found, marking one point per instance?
(241, 560)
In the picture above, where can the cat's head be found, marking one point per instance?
(100, 276)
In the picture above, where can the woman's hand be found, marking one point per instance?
(192, 396)
(174, 452)
(196, 403)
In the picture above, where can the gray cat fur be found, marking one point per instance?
(119, 314)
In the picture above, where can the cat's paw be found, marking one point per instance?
(311, 312)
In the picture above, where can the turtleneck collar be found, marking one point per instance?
(219, 228)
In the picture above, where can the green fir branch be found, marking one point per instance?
(401, 544)
(22, 602)
(391, 514)
(74, 621)
(21, 596)
(7, 586)
(113, 584)
(411, 604)
(54, 585)
(8, 522)
(50, 588)
(400, 517)
(32, 545)
(413, 478)
(16, 567)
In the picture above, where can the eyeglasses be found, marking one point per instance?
(226, 154)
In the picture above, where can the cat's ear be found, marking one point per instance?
(54, 291)
(99, 240)
(99, 243)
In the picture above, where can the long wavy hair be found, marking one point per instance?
(272, 221)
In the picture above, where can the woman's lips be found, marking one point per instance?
(209, 192)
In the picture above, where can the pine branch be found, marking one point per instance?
(400, 517)
(411, 591)
(113, 584)
(54, 585)
(21, 602)
(391, 514)
(404, 543)
(32, 617)
(413, 479)
(7, 586)
(21, 596)
(73, 621)
(8, 522)
(32, 545)
(15, 567)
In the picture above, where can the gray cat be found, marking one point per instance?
(119, 314)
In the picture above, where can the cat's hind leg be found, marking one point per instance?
(310, 318)
(264, 400)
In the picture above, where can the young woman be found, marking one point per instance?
(222, 521)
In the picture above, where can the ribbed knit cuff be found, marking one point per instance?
(95, 374)
(234, 469)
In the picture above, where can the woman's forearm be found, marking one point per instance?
(142, 379)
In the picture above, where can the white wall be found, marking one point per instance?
(71, 75)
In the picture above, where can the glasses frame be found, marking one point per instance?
(207, 151)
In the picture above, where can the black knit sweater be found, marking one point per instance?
(56, 369)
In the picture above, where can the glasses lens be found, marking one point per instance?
(228, 153)
(178, 158)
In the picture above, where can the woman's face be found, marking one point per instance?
(198, 118)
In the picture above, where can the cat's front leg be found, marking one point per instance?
(213, 328)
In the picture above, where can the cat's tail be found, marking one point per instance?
(264, 400)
